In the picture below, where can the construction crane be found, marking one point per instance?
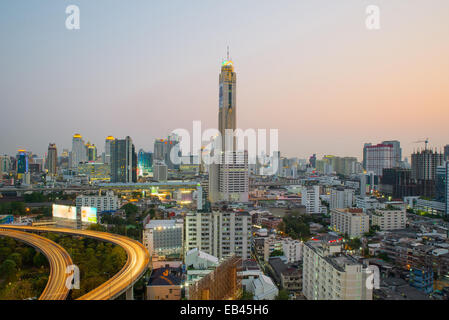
(421, 141)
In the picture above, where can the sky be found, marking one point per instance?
(309, 68)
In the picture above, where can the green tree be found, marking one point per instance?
(17, 258)
(246, 295)
(8, 269)
(282, 295)
(39, 260)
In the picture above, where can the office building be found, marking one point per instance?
(328, 274)
(160, 171)
(398, 183)
(144, 163)
(123, 161)
(351, 221)
(22, 162)
(91, 150)
(5, 164)
(341, 197)
(442, 185)
(52, 159)
(379, 157)
(424, 165)
(446, 152)
(219, 233)
(164, 238)
(397, 152)
(79, 151)
(107, 150)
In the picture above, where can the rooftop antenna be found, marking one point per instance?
(227, 55)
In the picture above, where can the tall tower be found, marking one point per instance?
(123, 161)
(228, 181)
(227, 98)
(79, 150)
(52, 159)
(107, 149)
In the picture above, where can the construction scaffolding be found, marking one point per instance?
(221, 284)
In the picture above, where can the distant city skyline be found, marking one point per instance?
(311, 70)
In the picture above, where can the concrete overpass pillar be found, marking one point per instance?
(130, 293)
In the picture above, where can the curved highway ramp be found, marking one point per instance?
(135, 266)
(58, 259)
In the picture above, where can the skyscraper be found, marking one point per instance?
(229, 180)
(227, 98)
(91, 150)
(107, 149)
(22, 161)
(424, 165)
(52, 159)
(123, 161)
(446, 152)
(379, 157)
(397, 152)
(79, 151)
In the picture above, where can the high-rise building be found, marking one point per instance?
(329, 274)
(398, 183)
(229, 180)
(160, 171)
(365, 147)
(91, 150)
(379, 157)
(219, 233)
(424, 165)
(397, 152)
(163, 149)
(107, 149)
(52, 159)
(446, 152)
(79, 151)
(442, 185)
(341, 198)
(5, 164)
(22, 161)
(123, 161)
(227, 99)
(310, 198)
(144, 163)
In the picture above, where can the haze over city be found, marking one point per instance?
(143, 68)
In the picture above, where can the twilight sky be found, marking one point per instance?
(142, 68)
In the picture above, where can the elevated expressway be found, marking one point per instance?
(58, 259)
(138, 260)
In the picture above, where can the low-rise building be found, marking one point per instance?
(389, 218)
(351, 221)
(164, 284)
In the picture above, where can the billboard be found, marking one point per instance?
(89, 214)
(66, 212)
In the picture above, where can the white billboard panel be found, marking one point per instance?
(66, 212)
(89, 214)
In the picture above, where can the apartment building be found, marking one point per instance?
(108, 202)
(351, 221)
(389, 218)
(219, 233)
(328, 274)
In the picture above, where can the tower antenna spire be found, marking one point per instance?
(227, 54)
